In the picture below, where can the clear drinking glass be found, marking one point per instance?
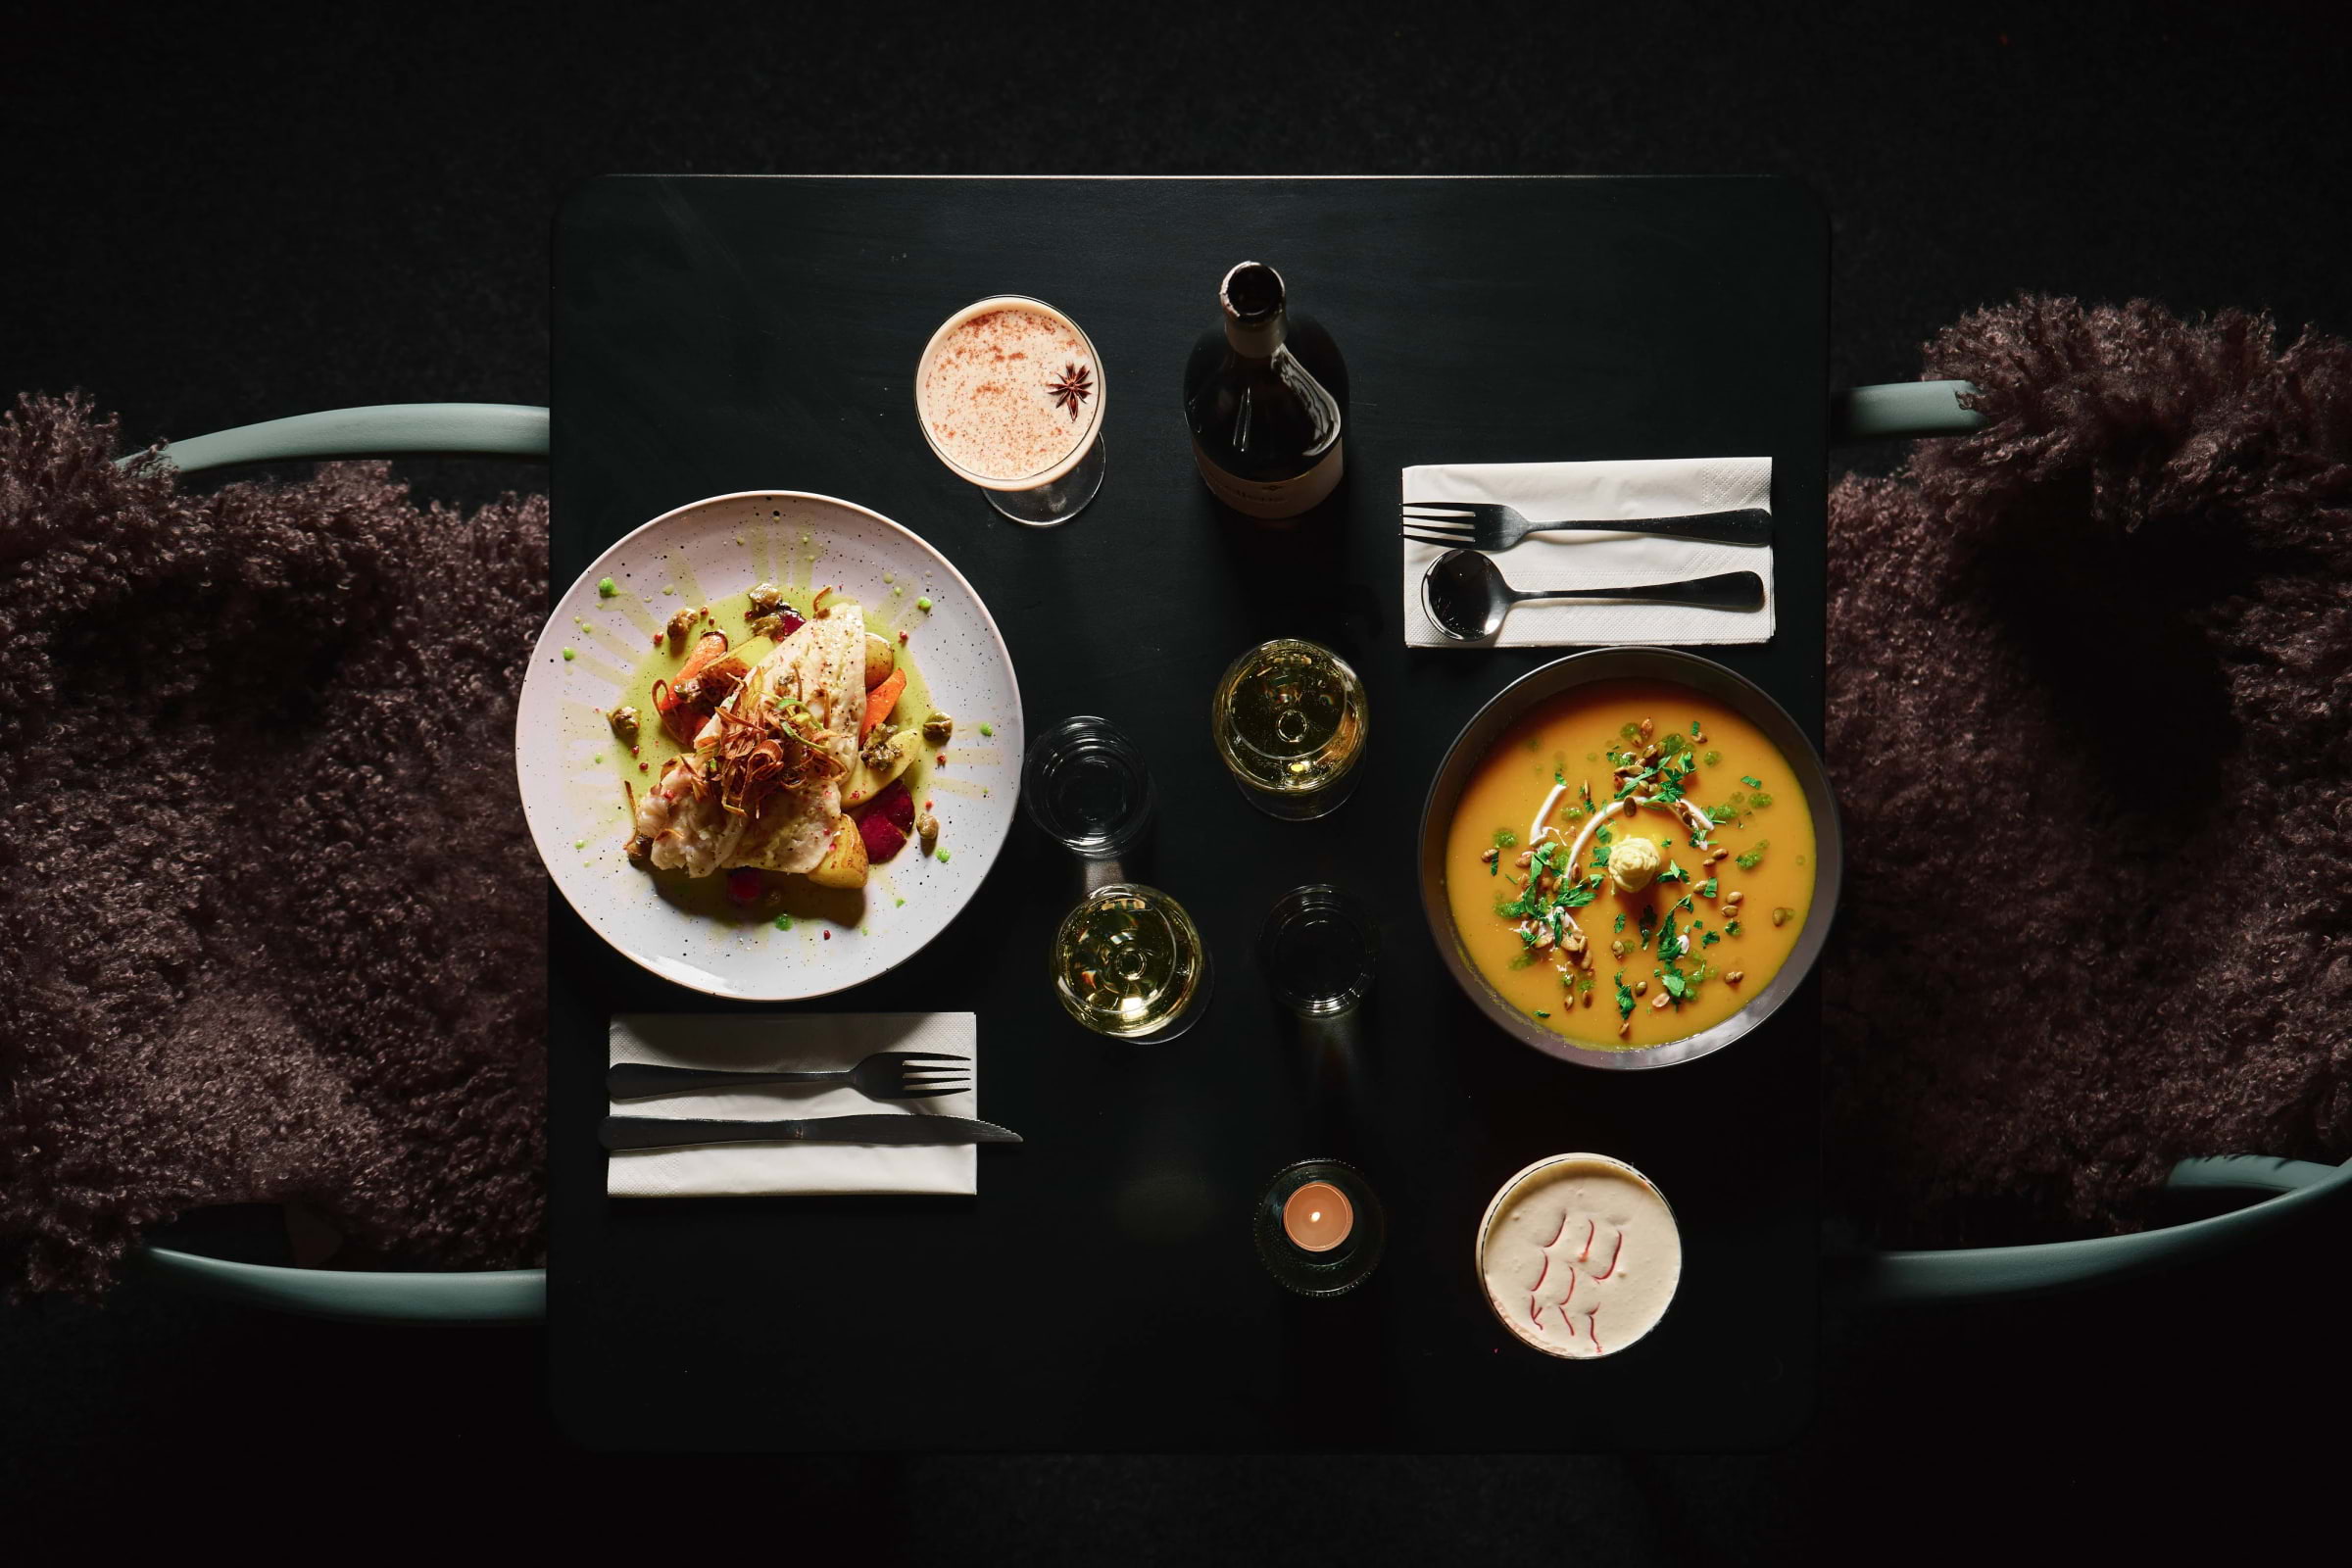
(1291, 720)
(1085, 784)
(1009, 395)
(1128, 961)
(1318, 947)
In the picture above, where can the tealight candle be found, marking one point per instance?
(1318, 1228)
(1317, 1217)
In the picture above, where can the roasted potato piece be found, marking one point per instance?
(879, 763)
(880, 659)
(844, 865)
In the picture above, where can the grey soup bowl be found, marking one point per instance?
(1707, 677)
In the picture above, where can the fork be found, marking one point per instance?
(1488, 526)
(885, 1076)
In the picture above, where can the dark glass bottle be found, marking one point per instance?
(1267, 401)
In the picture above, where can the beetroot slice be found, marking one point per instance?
(896, 805)
(883, 837)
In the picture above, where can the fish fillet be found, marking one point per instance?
(824, 664)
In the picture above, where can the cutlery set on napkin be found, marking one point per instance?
(1674, 551)
(704, 1106)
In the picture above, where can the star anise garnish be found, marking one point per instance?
(1076, 385)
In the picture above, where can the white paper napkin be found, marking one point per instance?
(1594, 492)
(792, 1042)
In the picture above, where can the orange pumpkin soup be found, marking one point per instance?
(1630, 863)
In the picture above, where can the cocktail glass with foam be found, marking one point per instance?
(1009, 395)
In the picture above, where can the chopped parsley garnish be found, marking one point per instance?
(1751, 783)
(1694, 729)
(1576, 898)
(1541, 1013)
(1625, 996)
(1620, 926)
(1732, 930)
(1709, 940)
(1673, 872)
(1707, 889)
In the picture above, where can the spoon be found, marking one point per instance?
(1466, 597)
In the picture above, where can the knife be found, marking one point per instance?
(677, 1132)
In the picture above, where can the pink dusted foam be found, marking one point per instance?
(986, 394)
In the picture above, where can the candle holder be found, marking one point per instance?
(1319, 1228)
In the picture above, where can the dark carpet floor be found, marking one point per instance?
(213, 223)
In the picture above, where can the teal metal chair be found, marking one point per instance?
(490, 1296)
(2288, 1190)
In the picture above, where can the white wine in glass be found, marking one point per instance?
(1290, 721)
(1128, 961)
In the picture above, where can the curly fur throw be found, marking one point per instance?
(275, 928)
(2090, 723)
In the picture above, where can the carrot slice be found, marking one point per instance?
(881, 700)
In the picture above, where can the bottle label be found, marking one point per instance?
(1274, 498)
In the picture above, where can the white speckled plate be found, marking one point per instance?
(574, 802)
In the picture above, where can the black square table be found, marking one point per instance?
(1102, 1292)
